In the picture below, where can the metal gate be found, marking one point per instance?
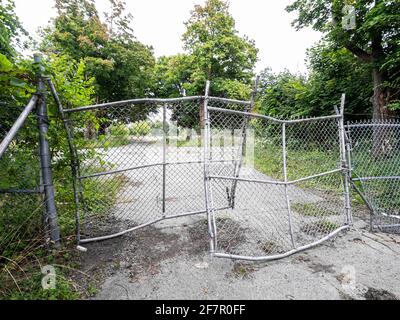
(375, 157)
(286, 183)
(268, 187)
(145, 160)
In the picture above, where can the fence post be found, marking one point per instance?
(208, 196)
(164, 159)
(243, 151)
(45, 157)
(344, 153)
(285, 176)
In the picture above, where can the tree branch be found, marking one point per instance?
(363, 55)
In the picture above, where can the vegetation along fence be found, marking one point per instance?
(267, 187)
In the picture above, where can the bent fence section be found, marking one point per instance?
(266, 187)
(375, 158)
(145, 160)
(286, 183)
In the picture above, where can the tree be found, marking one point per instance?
(219, 54)
(121, 65)
(15, 90)
(283, 95)
(333, 71)
(213, 51)
(172, 75)
(374, 40)
(11, 30)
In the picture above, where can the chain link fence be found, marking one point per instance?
(269, 187)
(266, 187)
(22, 209)
(284, 184)
(144, 161)
(375, 157)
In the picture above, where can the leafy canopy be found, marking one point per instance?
(121, 65)
(375, 39)
(214, 51)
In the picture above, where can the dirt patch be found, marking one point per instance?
(375, 294)
(242, 270)
(142, 255)
(230, 235)
(270, 247)
(96, 226)
(97, 263)
(199, 238)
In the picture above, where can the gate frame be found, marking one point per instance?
(374, 212)
(209, 209)
(345, 169)
(77, 187)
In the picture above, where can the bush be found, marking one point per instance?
(141, 128)
(119, 130)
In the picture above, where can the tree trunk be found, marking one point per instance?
(202, 116)
(381, 97)
(380, 101)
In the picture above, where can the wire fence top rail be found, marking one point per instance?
(17, 125)
(265, 117)
(152, 100)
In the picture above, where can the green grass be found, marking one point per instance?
(30, 287)
(100, 194)
(322, 226)
(300, 164)
(311, 210)
(21, 237)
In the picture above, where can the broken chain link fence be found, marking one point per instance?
(375, 157)
(267, 187)
(284, 185)
(144, 161)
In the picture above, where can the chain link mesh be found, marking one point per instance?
(21, 201)
(375, 156)
(278, 202)
(143, 161)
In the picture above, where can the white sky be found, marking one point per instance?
(160, 23)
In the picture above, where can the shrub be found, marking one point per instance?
(119, 130)
(140, 128)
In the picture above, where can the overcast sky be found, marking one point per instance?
(160, 23)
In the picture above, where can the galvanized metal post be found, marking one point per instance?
(344, 161)
(74, 158)
(246, 119)
(242, 151)
(17, 125)
(284, 157)
(164, 156)
(45, 157)
(207, 189)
